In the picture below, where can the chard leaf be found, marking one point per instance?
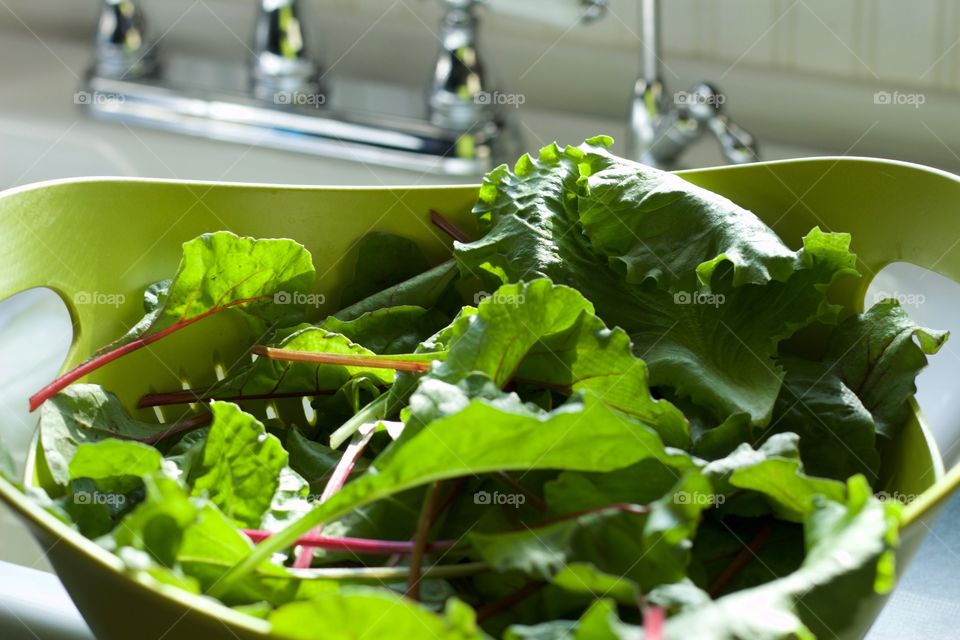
(774, 473)
(156, 525)
(649, 549)
(546, 335)
(383, 260)
(114, 465)
(425, 290)
(240, 467)
(392, 330)
(716, 350)
(263, 278)
(506, 327)
(878, 355)
(837, 433)
(849, 549)
(265, 376)
(359, 612)
(583, 434)
(84, 413)
(222, 270)
(590, 356)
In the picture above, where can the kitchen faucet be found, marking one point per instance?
(281, 98)
(662, 126)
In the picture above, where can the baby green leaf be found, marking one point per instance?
(360, 612)
(240, 467)
(115, 465)
(218, 271)
(583, 434)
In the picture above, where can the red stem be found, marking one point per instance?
(420, 543)
(341, 359)
(188, 396)
(336, 481)
(448, 227)
(653, 619)
(360, 546)
(93, 364)
(740, 561)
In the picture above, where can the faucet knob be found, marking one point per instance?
(459, 97)
(704, 104)
(281, 62)
(123, 49)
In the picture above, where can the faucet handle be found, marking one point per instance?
(122, 47)
(281, 63)
(704, 104)
(736, 143)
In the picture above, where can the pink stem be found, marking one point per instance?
(653, 619)
(354, 545)
(448, 227)
(337, 479)
(93, 364)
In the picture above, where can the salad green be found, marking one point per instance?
(627, 409)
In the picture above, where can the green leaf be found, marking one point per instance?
(582, 435)
(848, 553)
(115, 465)
(392, 330)
(837, 433)
(84, 413)
(156, 525)
(358, 612)
(383, 260)
(240, 468)
(266, 376)
(263, 278)
(774, 473)
(425, 290)
(590, 356)
(506, 327)
(690, 309)
(647, 549)
(656, 225)
(878, 355)
(721, 440)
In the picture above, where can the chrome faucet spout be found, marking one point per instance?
(662, 126)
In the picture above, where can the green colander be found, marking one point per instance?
(114, 236)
